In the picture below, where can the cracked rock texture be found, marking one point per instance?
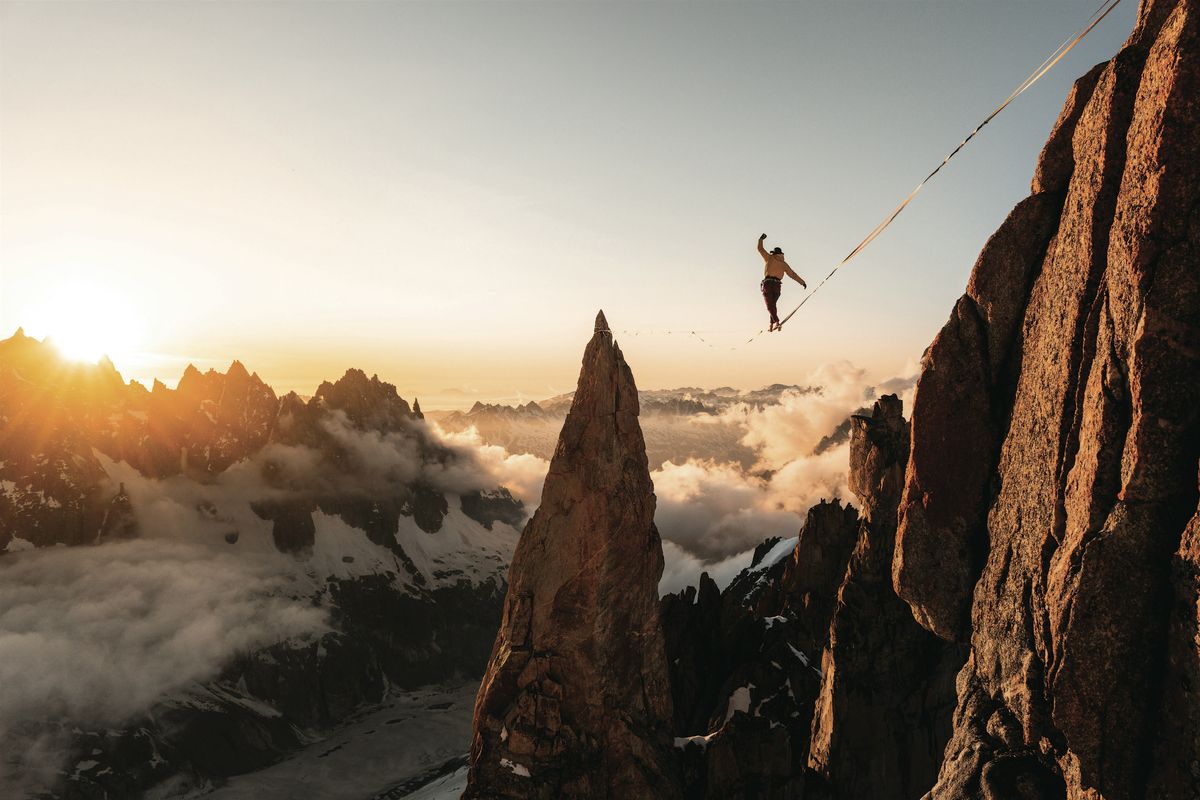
(1048, 516)
(576, 700)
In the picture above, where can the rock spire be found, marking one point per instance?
(576, 701)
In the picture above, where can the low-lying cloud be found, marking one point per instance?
(96, 635)
(522, 474)
(713, 510)
(682, 569)
(367, 462)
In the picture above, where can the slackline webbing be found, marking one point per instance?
(1097, 16)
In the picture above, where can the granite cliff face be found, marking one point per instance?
(1048, 518)
(576, 701)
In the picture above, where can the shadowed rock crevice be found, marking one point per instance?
(744, 662)
(882, 718)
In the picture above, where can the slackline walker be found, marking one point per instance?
(771, 293)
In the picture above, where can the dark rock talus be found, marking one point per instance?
(576, 701)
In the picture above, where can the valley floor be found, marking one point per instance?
(413, 746)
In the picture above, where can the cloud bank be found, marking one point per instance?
(713, 510)
(96, 635)
(522, 474)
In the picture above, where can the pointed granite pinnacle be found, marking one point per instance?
(576, 700)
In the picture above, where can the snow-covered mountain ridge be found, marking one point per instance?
(265, 566)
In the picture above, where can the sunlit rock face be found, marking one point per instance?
(52, 486)
(1048, 514)
(576, 701)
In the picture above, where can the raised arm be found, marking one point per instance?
(792, 274)
(762, 251)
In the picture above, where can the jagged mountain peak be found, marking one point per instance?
(367, 402)
(606, 389)
(238, 369)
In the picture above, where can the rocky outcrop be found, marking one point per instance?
(490, 507)
(696, 652)
(887, 685)
(576, 702)
(964, 397)
(1055, 442)
(292, 528)
(743, 672)
(120, 520)
(369, 403)
(815, 569)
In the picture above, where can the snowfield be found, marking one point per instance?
(413, 746)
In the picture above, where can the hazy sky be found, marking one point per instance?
(444, 193)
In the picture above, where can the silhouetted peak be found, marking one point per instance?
(368, 402)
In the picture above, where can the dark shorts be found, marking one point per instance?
(771, 288)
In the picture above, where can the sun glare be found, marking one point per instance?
(86, 324)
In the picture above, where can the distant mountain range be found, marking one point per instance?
(678, 424)
(398, 540)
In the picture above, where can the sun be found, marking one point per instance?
(86, 323)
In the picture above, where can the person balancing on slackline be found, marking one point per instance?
(772, 283)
